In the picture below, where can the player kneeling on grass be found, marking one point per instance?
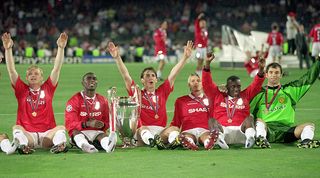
(87, 118)
(231, 110)
(274, 108)
(35, 126)
(191, 116)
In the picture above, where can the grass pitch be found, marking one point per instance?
(279, 161)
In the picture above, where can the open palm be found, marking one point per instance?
(113, 50)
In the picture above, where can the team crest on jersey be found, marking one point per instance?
(281, 99)
(97, 105)
(206, 101)
(42, 94)
(69, 108)
(239, 101)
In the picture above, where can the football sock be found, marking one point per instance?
(18, 134)
(80, 140)
(8, 147)
(146, 135)
(59, 137)
(108, 143)
(260, 128)
(250, 133)
(172, 136)
(307, 132)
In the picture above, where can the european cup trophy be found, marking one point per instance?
(124, 114)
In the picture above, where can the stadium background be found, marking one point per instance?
(39, 22)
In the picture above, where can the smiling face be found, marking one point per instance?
(34, 77)
(234, 87)
(89, 82)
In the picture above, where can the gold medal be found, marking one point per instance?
(156, 116)
(229, 121)
(34, 114)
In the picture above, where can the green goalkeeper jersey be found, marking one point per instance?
(282, 109)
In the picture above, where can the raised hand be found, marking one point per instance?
(113, 50)
(188, 49)
(7, 41)
(210, 57)
(262, 63)
(62, 40)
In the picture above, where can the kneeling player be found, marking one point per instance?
(87, 118)
(191, 117)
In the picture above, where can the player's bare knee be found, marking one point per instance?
(47, 142)
(17, 127)
(60, 127)
(75, 132)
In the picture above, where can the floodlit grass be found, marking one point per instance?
(280, 161)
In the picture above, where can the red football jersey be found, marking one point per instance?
(239, 109)
(35, 112)
(315, 33)
(191, 112)
(152, 102)
(79, 110)
(275, 38)
(160, 37)
(200, 35)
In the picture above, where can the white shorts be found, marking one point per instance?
(91, 134)
(197, 132)
(201, 53)
(38, 137)
(233, 135)
(315, 49)
(275, 51)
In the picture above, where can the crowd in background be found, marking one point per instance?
(91, 24)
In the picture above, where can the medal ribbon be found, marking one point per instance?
(34, 107)
(197, 99)
(86, 105)
(154, 108)
(273, 97)
(230, 115)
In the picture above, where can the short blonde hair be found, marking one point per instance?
(191, 75)
(34, 67)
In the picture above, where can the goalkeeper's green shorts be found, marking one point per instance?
(280, 133)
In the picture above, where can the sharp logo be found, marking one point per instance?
(193, 110)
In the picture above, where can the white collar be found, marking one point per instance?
(192, 96)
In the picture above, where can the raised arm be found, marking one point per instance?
(8, 44)
(176, 69)
(114, 52)
(61, 42)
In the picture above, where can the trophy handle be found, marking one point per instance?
(113, 102)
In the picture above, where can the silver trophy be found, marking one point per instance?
(124, 114)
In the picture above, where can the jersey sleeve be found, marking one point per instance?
(19, 87)
(105, 117)
(209, 87)
(71, 114)
(253, 89)
(298, 88)
(176, 121)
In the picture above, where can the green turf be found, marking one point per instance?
(280, 161)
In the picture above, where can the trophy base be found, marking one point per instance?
(128, 142)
